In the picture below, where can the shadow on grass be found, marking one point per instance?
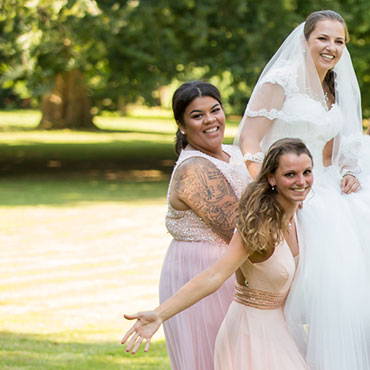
(38, 157)
(34, 351)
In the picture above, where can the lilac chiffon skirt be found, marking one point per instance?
(191, 335)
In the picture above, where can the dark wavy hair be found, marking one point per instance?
(182, 97)
(260, 219)
(310, 25)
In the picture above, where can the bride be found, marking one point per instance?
(309, 90)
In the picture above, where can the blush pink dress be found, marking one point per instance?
(191, 335)
(254, 334)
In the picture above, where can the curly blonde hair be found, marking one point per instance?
(260, 219)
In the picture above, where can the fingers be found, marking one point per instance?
(132, 329)
(132, 341)
(137, 345)
(135, 342)
(355, 188)
(131, 317)
(128, 334)
(145, 325)
(147, 344)
(350, 184)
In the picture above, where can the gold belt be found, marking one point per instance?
(258, 298)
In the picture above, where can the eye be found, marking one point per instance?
(289, 174)
(322, 38)
(307, 172)
(340, 42)
(216, 110)
(196, 116)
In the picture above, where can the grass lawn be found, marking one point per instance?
(24, 351)
(123, 145)
(82, 239)
(75, 255)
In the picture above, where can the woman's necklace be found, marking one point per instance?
(326, 97)
(326, 94)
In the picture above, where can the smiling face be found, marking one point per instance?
(204, 124)
(293, 178)
(326, 43)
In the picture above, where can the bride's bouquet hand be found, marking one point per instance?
(147, 324)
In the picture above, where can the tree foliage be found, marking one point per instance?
(128, 49)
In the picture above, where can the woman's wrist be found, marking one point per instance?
(161, 313)
(349, 173)
(256, 157)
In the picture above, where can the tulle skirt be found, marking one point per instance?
(190, 335)
(328, 308)
(255, 339)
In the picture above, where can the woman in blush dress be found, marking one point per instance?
(309, 90)
(204, 190)
(262, 252)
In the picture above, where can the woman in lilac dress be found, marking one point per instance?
(203, 193)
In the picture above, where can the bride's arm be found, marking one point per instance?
(253, 132)
(199, 287)
(263, 107)
(349, 183)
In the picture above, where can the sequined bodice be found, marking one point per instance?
(187, 225)
(304, 118)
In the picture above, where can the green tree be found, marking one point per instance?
(117, 52)
(48, 49)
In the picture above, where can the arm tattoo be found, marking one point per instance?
(202, 186)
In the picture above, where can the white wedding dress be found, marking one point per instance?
(328, 307)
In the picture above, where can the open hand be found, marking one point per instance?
(146, 325)
(349, 184)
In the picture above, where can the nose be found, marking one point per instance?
(331, 45)
(300, 180)
(209, 118)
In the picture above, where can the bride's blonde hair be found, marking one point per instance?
(260, 219)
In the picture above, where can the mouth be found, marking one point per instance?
(327, 57)
(211, 130)
(300, 190)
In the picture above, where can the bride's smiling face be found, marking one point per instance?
(326, 43)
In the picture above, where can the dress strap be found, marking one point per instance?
(258, 298)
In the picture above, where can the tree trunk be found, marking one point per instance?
(67, 105)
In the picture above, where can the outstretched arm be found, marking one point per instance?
(199, 287)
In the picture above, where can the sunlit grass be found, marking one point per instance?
(78, 249)
(82, 238)
(19, 119)
(140, 121)
(67, 274)
(34, 351)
